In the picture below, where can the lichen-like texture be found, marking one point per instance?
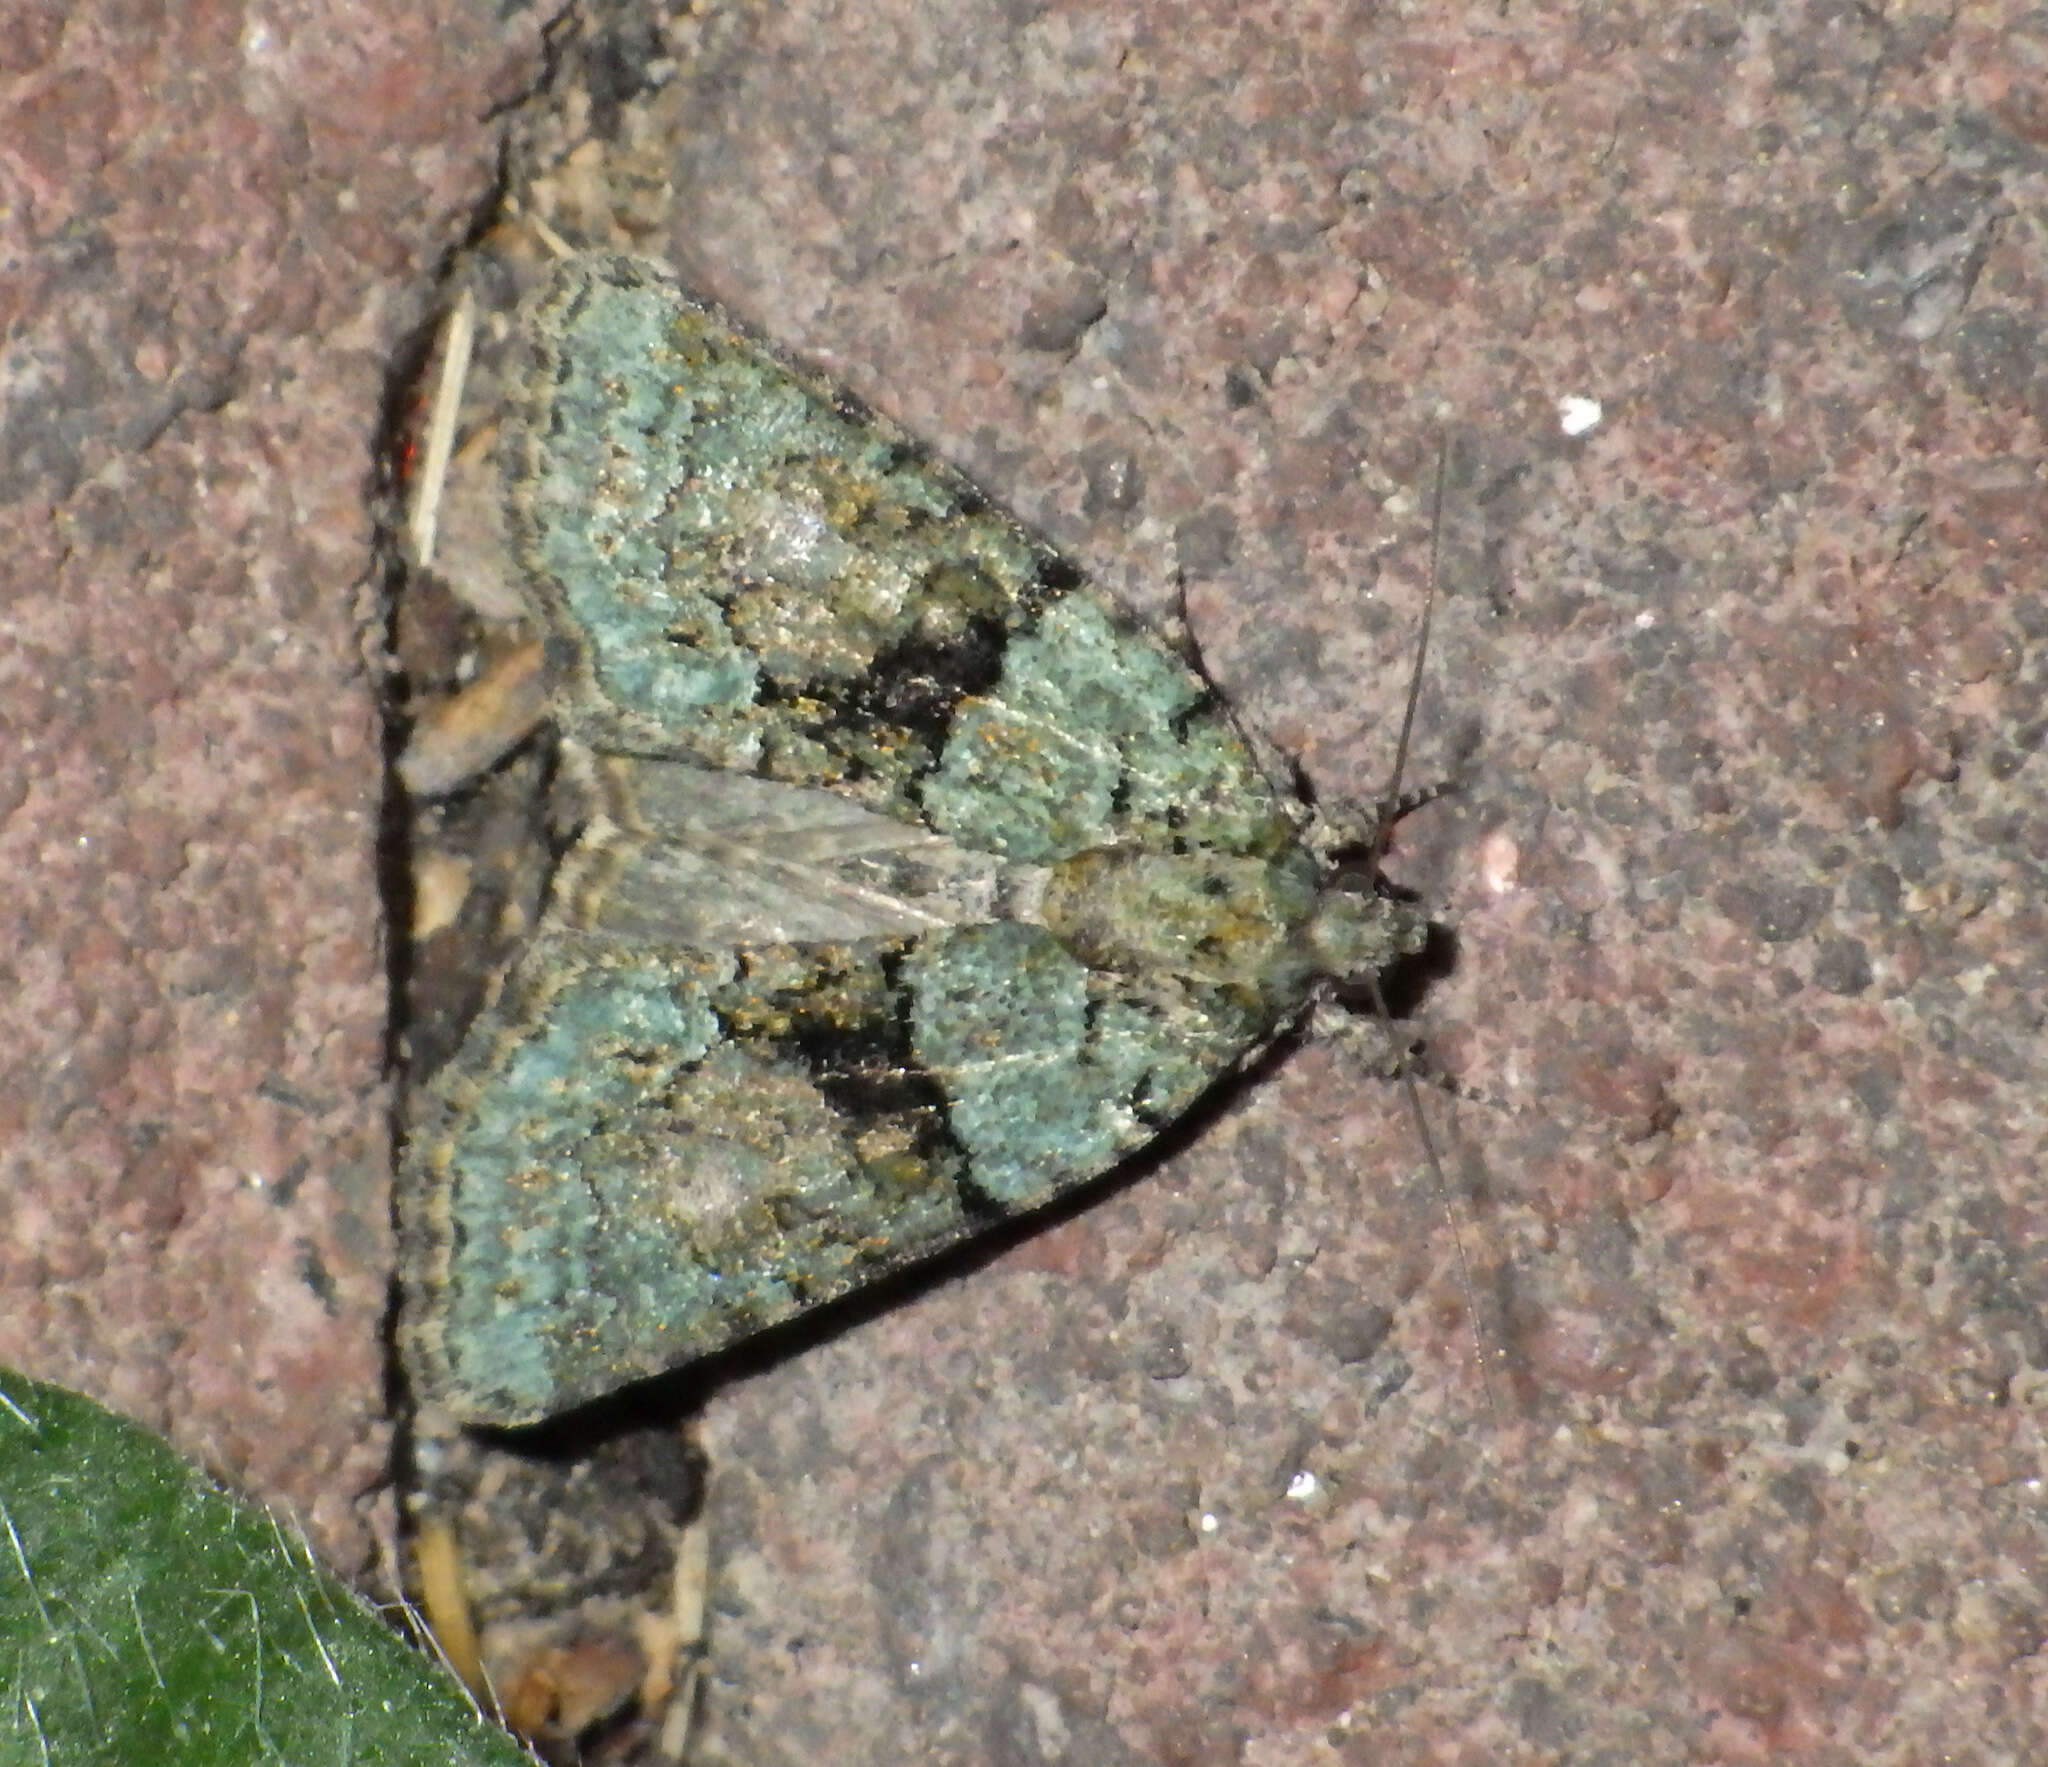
(917, 885)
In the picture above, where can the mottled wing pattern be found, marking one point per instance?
(760, 575)
(923, 884)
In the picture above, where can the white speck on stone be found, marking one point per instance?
(1303, 1486)
(1576, 414)
(1500, 862)
(1209, 1524)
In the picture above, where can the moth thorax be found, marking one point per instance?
(1217, 917)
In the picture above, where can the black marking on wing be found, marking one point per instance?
(917, 685)
(1205, 706)
(864, 1067)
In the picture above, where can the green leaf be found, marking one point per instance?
(146, 1618)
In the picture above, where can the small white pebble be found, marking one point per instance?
(1576, 414)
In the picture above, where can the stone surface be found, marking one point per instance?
(1747, 682)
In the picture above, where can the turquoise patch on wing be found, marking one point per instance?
(1049, 1079)
(539, 1243)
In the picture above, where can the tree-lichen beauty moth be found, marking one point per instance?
(907, 882)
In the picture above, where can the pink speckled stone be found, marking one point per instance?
(1745, 683)
(213, 231)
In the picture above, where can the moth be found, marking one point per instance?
(910, 882)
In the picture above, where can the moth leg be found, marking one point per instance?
(1346, 827)
(1380, 1047)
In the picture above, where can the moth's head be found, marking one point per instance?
(1355, 933)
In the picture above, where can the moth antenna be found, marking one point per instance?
(1391, 806)
(1390, 803)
